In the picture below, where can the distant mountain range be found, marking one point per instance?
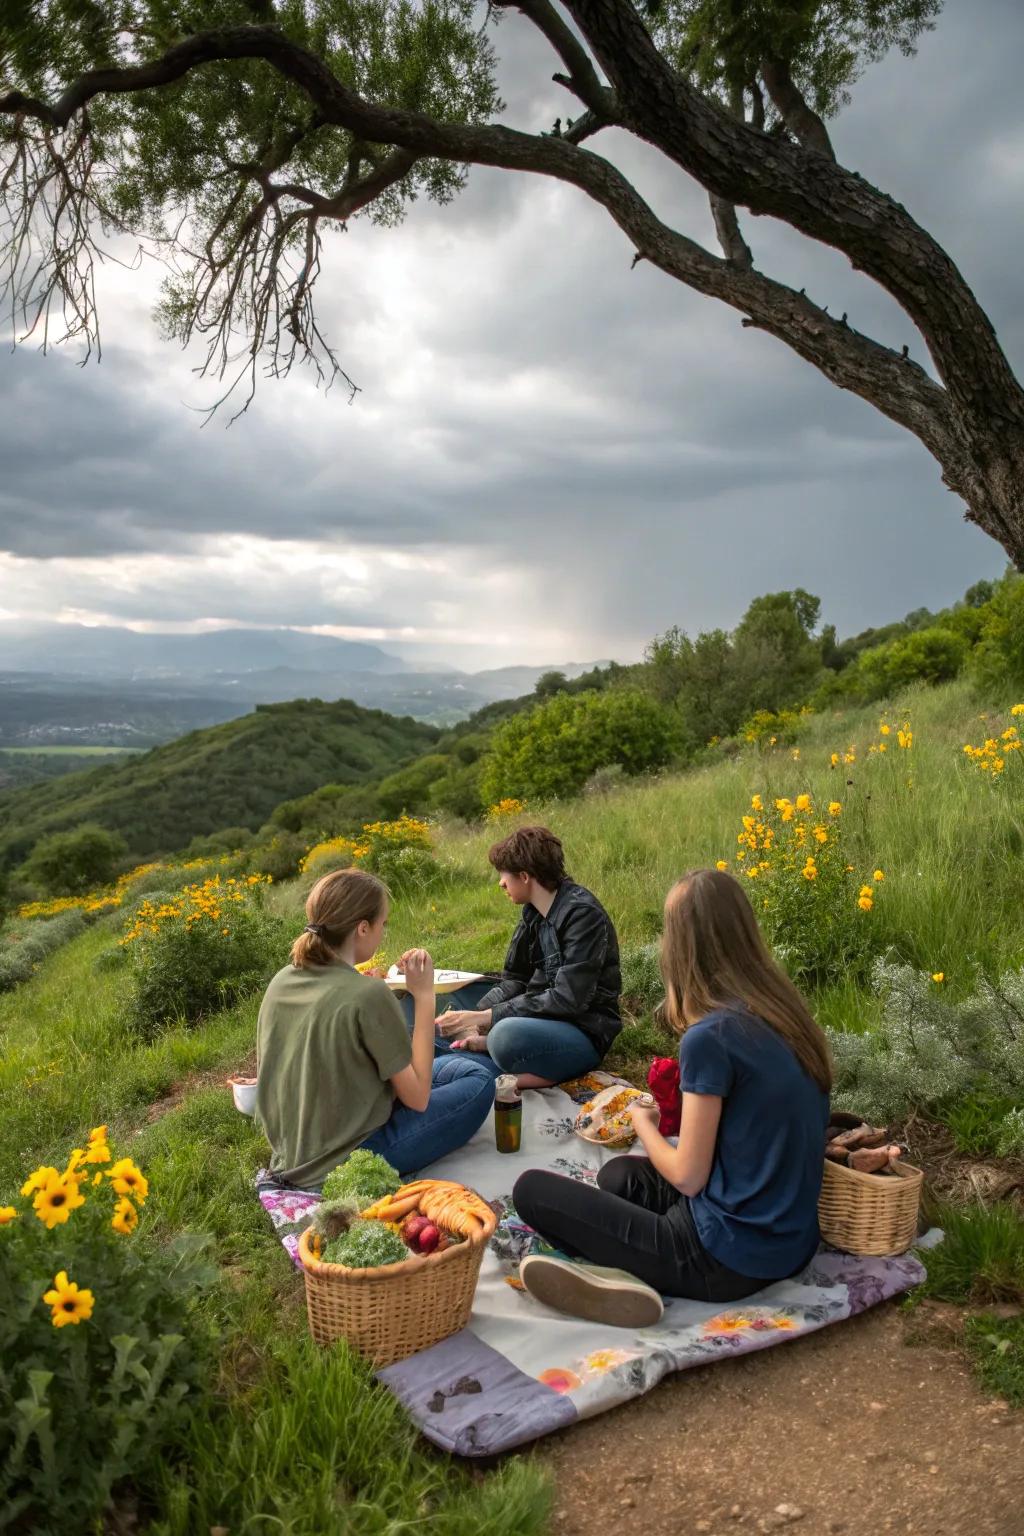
(69, 684)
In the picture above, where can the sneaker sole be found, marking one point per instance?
(568, 1288)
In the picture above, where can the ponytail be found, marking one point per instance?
(336, 905)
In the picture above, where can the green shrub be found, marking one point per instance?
(767, 727)
(932, 1051)
(406, 871)
(998, 659)
(71, 863)
(31, 943)
(815, 907)
(551, 751)
(211, 945)
(278, 856)
(97, 1340)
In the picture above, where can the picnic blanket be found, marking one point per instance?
(520, 1370)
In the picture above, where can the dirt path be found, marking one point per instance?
(849, 1431)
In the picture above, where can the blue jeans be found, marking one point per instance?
(551, 1048)
(460, 1101)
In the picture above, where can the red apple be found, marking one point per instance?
(428, 1239)
(412, 1226)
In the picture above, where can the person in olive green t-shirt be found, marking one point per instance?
(336, 1068)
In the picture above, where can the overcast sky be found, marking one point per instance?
(553, 457)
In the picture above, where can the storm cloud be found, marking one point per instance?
(552, 454)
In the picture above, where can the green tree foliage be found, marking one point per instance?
(768, 662)
(553, 749)
(999, 659)
(724, 45)
(550, 683)
(68, 863)
(930, 655)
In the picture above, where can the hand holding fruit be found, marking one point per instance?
(419, 972)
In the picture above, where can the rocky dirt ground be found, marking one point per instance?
(852, 1432)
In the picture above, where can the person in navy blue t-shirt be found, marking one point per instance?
(734, 1205)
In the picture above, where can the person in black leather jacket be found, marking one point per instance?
(555, 1012)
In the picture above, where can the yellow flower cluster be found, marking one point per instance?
(506, 808)
(107, 900)
(406, 832)
(343, 850)
(764, 847)
(55, 1195)
(994, 753)
(209, 902)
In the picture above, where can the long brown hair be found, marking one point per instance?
(337, 903)
(714, 956)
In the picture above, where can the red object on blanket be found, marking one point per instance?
(663, 1081)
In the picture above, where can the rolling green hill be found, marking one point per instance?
(229, 775)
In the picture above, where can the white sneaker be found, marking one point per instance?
(584, 1290)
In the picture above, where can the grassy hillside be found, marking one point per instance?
(229, 775)
(950, 842)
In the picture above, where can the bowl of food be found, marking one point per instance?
(605, 1119)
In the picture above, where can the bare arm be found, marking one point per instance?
(687, 1165)
(412, 1084)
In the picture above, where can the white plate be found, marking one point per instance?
(444, 981)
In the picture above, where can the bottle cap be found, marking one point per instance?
(506, 1087)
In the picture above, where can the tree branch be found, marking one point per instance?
(817, 197)
(849, 360)
(803, 122)
(583, 77)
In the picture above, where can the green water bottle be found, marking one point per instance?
(508, 1114)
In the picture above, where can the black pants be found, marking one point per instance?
(634, 1220)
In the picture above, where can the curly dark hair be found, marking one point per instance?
(531, 851)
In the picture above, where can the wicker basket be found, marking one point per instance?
(868, 1214)
(395, 1310)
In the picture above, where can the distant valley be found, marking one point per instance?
(70, 685)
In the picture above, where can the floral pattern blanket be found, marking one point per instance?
(520, 1370)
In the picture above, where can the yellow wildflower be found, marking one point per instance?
(803, 802)
(70, 1304)
(834, 808)
(938, 976)
(721, 864)
(1018, 709)
(7, 1213)
(54, 1203)
(865, 903)
(884, 729)
(126, 1217)
(129, 1180)
(878, 875)
(39, 1180)
(757, 804)
(820, 835)
(835, 760)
